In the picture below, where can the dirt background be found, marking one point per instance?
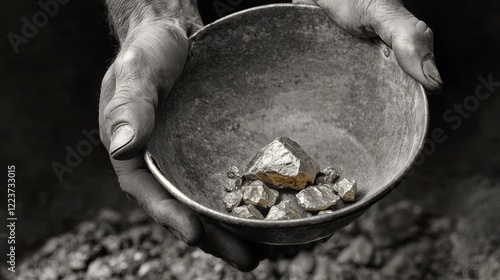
(442, 222)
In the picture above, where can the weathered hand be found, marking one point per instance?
(152, 55)
(410, 38)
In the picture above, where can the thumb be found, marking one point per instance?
(411, 40)
(150, 64)
(131, 110)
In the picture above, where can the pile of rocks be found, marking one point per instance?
(282, 182)
(115, 246)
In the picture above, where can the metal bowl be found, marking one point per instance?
(286, 70)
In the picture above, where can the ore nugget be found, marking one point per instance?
(257, 193)
(247, 211)
(317, 198)
(233, 199)
(234, 173)
(326, 176)
(233, 184)
(347, 190)
(325, 212)
(283, 164)
(286, 210)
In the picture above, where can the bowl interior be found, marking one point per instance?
(289, 71)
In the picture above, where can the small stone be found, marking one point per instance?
(398, 222)
(347, 190)
(283, 164)
(325, 212)
(50, 247)
(247, 211)
(321, 270)
(359, 251)
(234, 173)
(286, 210)
(317, 198)
(147, 267)
(301, 266)
(257, 193)
(326, 176)
(233, 184)
(233, 199)
(111, 243)
(48, 273)
(98, 270)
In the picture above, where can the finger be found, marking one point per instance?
(107, 92)
(410, 38)
(151, 63)
(137, 182)
(241, 254)
(412, 41)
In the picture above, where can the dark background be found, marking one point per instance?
(50, 90)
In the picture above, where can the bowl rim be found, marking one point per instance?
(339, 214)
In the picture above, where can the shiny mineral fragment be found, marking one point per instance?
(258, 194)
(233, 184)
(286, 210)
(247, 211)
(346, 189)
(327, 176)
(317, 198)
(234, 173)
(325, 212)
(233, 199)
(283, 164)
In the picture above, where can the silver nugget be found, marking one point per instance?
(234, 173)
(347, 190)
(283, 164)
(258, 194)
(317, 198)
(233, 199)
(247, 211)
(233, 184)
(325, 212)
(326, 176)
(286, 210)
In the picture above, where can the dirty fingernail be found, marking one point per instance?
(431, 73)
(121, 137)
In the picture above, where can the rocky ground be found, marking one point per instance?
(409, 238)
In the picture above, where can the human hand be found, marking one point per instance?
(410, 38)
(151, 57)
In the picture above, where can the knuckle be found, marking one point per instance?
(132, 57)
(119, 104)
(422, 27)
